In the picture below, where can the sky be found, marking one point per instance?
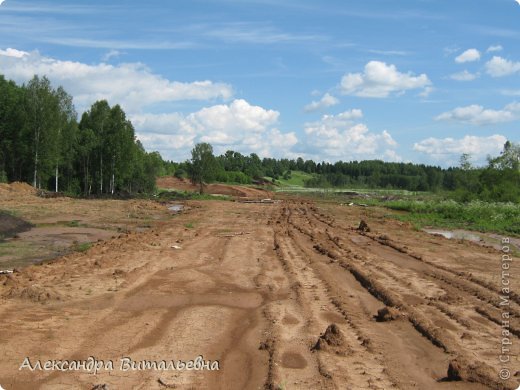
(419, 81)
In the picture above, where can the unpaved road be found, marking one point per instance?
(254, 286)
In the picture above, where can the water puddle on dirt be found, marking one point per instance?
(176, 208)
(455, 234)
(489, 239)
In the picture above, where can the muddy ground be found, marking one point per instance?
(285, 296)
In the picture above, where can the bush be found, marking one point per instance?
(180, 173)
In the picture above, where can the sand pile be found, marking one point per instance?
(17, 187)
(331, 338)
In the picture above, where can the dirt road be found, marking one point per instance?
(284, 296)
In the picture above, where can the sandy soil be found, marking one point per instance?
(284, 296)
(217, 189)
(62, 223)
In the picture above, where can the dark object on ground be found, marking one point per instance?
(454, 371)
(387, 314)
(363, 227)
(11, 225)
(104, 386)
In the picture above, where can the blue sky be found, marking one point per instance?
(398, 80)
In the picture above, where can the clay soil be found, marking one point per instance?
(284, 295)
(174, 183)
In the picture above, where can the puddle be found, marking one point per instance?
(176, 208)
(495, 240)
(455, 234)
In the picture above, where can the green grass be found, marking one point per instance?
(83, 247)
(297, 179)
(74, 223)
(189, 225)
(477, 215)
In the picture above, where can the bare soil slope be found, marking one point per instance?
(285, 296)
(217, 189)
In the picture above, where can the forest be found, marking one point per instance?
(43, 143)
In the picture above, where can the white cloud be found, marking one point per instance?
(500, 67)
(426, 92)
(326, 101)
(469, 55)
(464, 76)
(13, 53)
(379, 80)
(111, 54)
(448, 150)
(338, 137)
(478, 115)
(253, 33)
(238, 125)
(132, 85)
(495, 48)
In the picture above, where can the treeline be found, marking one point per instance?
(498, 181)
(42, 142)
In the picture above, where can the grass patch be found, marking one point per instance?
(74, 223)
(295, 179)
(83, 247)
(476, 215)
(189, 225)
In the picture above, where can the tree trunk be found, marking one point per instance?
(36, 145)
(56, 190)
(101, 173)
(113, 184)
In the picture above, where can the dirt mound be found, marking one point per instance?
(331, 338)
(170, 182)
(22, 188)
(454, 371)
(11, 225)
(224, 189)
(34, 293)
(387, 314)
(363, 226)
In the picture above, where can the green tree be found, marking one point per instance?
(465, 162)
(42, 111)
(509, 157)
(202, 165)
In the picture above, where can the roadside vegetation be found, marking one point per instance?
(476, 215)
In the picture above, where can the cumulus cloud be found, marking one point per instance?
(380, 80)
(478, 115)
(339, 137)
(464, 76)
(237, 125)
(9, 52)
(494, 48)
(132, 85)
(500, 67)
(469, 55)
(448, 150)
(326, 101)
